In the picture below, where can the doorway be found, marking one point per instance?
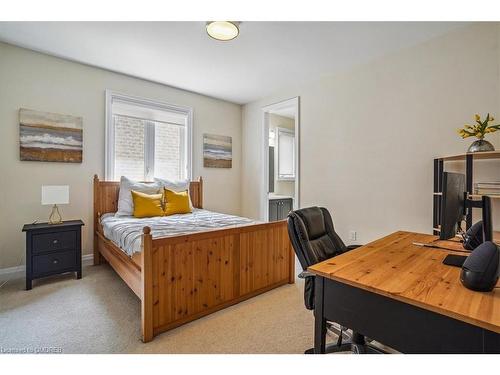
(280, 131)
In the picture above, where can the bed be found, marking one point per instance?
(181, 275)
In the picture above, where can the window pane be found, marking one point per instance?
(129, 147)
(169, 156)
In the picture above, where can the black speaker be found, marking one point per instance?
(480, 269)
(474, 236)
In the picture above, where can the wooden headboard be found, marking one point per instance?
(106, 196)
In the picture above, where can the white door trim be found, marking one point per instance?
(264, 202)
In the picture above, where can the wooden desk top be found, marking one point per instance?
(392, 266)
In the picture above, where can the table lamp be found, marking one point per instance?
(54, 195)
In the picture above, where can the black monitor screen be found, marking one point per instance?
(452, 206)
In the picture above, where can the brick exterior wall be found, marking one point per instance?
(130, 147)
(168, 139)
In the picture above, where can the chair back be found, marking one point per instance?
(314, 240)
(313, 236)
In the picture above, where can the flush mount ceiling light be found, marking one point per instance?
(223, 30)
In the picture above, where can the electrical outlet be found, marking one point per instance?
(352, 235)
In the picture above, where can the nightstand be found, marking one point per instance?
(53, 249)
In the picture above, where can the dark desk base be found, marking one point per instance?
(404, 327)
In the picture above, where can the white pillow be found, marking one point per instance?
(177, 186)
(125, 203)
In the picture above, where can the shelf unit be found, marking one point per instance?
(469, 159)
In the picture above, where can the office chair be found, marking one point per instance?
(314, 240)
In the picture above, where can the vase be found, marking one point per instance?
(480, 145)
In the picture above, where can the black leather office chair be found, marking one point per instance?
(314, 240)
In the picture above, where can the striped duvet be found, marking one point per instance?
(126, 231)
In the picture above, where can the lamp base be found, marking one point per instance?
(55, 216)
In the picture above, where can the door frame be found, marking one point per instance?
(264, 204)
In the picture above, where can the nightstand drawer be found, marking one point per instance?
(53, 262)
(46, 242)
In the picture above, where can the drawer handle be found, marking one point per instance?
(55, 261)
(55, 242)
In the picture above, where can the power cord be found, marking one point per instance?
(11, 277)
(19, 263)
(439, 247)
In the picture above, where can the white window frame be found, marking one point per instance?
(109, 162)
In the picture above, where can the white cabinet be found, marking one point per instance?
(286, 154)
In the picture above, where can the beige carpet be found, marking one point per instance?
(99, 314)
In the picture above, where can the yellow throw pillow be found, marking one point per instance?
(147, 205)
(176, 203)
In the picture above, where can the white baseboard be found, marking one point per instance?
(12, 270)
(87, 259)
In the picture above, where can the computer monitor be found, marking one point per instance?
(487, 221)
(452, 204)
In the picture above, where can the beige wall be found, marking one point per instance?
(281, 187)
(37, 81)
(368, 137)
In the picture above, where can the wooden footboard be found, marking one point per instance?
(182, 278)
(190, 276)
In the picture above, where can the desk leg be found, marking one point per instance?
(319, 319)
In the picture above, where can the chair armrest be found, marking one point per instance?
(305, 274)
(352, 247)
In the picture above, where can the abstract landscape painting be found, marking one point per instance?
(50, 136)
(217, 151)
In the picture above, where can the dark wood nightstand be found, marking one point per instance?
(52, 249)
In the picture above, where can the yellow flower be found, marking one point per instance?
(478, 118)
(492, 118)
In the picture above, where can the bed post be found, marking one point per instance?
(147, 285)
(97, 254)
(200, 191)
(291, 266)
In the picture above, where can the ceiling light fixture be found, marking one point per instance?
(223, 30)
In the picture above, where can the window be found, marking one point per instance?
(146, 139)
(286, 154)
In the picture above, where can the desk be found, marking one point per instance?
(404, 297)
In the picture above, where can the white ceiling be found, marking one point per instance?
(266, 57)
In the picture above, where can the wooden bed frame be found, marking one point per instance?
(182, 278)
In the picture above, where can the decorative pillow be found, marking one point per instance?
(125, 203)
(176, 203)
(177, 186)
(147, 205)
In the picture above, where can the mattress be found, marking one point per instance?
(126, 231)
